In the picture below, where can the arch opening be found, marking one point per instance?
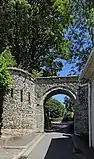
(56, 91)
(71, 96)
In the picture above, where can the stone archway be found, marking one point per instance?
(59, 90)
(47, 87)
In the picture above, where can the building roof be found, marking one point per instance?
(88, 70)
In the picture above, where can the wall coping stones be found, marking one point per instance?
(75, 77)
(64, 78)
(26, 73)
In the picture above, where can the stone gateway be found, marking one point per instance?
(23, 105)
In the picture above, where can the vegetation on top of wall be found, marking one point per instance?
(6, 60)
(36, 73)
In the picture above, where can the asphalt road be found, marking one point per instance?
(56, 145)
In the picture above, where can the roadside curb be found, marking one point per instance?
(29, 147)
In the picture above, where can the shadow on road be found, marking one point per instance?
(64, 148)
(61, 148)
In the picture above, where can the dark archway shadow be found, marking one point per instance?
(64, 127)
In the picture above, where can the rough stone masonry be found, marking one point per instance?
(23, 105)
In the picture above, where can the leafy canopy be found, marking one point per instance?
(34, 31)
(81, 33)
(41, 33)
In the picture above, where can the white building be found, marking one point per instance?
(88, 74)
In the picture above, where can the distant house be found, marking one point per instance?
(88, 74)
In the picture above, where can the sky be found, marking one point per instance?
(65, 71)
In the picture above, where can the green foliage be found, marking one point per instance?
(81, 33)
(69, 113)
(36, 73)
(23, 3)
(34, 30)
(69, 107)
(41, 33)
(6, 60)
(54, 107)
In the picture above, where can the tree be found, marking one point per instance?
(34, 31)
(54, 107)
(39, 35)
(69, 108)
(68, 102)
(81, 33)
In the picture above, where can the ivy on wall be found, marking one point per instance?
(6, 60)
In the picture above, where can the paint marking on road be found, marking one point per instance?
(20, 147)
(33, 141)
(14, 147)
(30, 147)
(33, 146)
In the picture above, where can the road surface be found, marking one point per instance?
(56, 145)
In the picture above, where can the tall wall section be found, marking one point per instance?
(18, 106)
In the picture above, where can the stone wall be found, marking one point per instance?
(18, 105)
(43, 85)
(23, 105)
(81, 112)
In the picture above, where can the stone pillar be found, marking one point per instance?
(81, 112)
(39, 116)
